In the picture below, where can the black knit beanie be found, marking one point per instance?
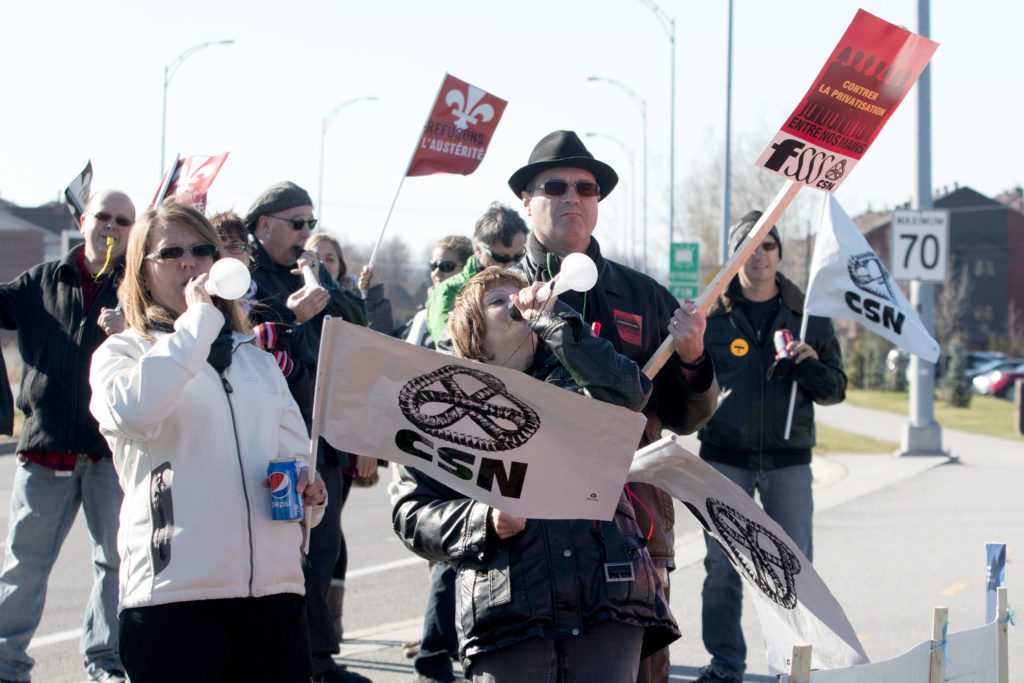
(279, 197)
(741, 229)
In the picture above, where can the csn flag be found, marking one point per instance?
(491, 433)
(458, 130)
(848, 281)
(189, 180)
(793, 603)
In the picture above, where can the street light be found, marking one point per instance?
(641, 103)
(632, 189)
(323, 136)
(669, 24)
(727, 185)
(168, 75)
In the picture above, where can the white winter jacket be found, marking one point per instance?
(191, 454)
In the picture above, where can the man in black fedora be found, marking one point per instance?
(560, 188)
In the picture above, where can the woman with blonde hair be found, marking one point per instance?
(194, 413)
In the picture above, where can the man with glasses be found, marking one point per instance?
(745, 440)
(560, 188)
(63, 462)
(499, 239)
(290, 316)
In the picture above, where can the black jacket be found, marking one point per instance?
(747, 430)
(56, 339)
(549, 580)
(274, 284)
(634, 311)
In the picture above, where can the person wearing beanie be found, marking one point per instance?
(289, 316)
(745, 439)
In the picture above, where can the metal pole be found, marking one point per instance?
(327, 120)
(726, 187)
(644, 114)
(631, 200)
(922, 435)
(672, 143)
(169, 71)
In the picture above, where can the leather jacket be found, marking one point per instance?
(556, 578)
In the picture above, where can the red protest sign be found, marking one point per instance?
(458, 130)
(190, 180)
(868, 74)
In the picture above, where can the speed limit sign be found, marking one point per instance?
(920, 245)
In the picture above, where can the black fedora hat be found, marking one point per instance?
(563, 149)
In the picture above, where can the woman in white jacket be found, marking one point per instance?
(211, 587)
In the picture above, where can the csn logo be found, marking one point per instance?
(794, 159)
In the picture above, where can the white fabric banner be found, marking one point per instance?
(793, 603)
(848, 281)
(494, 434)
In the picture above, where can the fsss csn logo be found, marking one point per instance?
(797, 160)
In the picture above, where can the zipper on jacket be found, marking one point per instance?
(228, 390)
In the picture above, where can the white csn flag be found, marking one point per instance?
(848, 281)
(493, 434)
(793, 603)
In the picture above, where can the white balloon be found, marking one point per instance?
(229, 279)
(578, 273)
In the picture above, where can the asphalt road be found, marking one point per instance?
(894, 537)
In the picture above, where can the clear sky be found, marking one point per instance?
(84, 80)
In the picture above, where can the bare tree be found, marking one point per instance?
(1014, 330)
(953, 303)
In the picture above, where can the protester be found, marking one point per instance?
(290, 316)
(560, 189)
(447, 257)
(378, 307)
(745, 439)
(499, 239)
(63, 462)
(194, 414)
(361, 469)
(231, 229)
(527, 614)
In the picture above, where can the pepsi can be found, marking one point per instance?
(285, 503)
(782, 339)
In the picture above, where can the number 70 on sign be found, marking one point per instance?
(920, 245)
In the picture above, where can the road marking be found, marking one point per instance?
(76, 633)
(953, 589)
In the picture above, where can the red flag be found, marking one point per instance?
(868, 74)
(190, 180)
(458, 130)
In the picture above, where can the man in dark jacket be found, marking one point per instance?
(745, 439)
(290, 316)
(560, 189)
(63, 462)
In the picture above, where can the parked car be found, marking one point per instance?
(993, 365)
(999, 382)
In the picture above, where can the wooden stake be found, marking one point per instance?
(757, 234)
(1002, 614)
(940, 620)
(800, 667)
(326, 344)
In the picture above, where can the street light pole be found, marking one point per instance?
(727, 184)
(669, 24)
(632, 189)
(168, 75)
(323, 138)
(641, 104)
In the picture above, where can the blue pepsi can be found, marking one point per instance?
(285, 502)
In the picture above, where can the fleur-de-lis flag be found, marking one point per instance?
(458, 130)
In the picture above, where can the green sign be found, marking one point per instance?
(684, 270)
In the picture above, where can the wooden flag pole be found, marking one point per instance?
(940, 626)
(800, 665)
(162, 193)
(757, 234)
(326, 344)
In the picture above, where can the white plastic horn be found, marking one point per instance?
(578, 273)
(229, 279)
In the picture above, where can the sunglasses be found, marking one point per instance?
(235, 247)
(443, 266)
(171, 253)
(769, 245)
(297, 223)
(556, 188)
(104, 217)
(505, 258)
